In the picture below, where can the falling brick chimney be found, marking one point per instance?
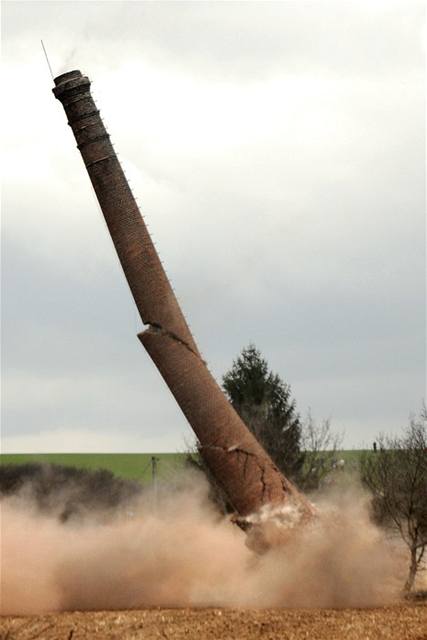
(235, 458)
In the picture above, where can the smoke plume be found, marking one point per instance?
(174, 549)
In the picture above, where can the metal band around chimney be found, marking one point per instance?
(97, 139)
(90, 164)
(83, 116)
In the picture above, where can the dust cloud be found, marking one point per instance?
(173, 549)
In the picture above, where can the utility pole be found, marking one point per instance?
(154, 462)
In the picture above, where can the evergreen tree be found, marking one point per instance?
(264, 403)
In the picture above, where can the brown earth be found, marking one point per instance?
(400, 622)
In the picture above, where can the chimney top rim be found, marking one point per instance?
(68, 75)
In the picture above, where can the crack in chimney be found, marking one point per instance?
(155, 327)
(247, 454)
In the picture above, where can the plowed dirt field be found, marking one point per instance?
(403, 622)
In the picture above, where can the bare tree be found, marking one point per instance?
(194, 460)
(319, 447)
(396, 474)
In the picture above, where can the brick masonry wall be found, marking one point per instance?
(237, 461)
(153, 294)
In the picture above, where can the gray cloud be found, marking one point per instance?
(277, 150)
(234, 38)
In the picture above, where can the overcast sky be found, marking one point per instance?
(277, 152)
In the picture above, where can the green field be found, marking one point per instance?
(351, 457)
(136, 466)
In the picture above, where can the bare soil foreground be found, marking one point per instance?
(399, 622)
